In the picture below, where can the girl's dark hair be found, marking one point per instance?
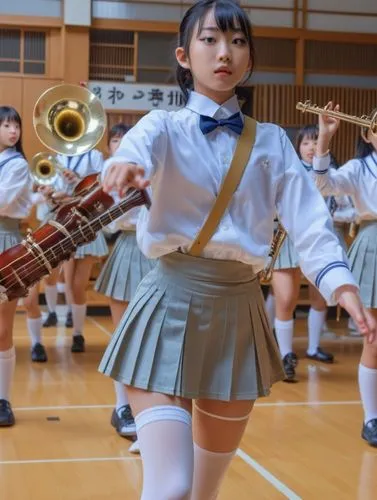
(309, 131)
(229, 17)
(363, 148)
(118, 130)
(9, 114)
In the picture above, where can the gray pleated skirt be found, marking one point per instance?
(124, 269)
(288, 257)
(96, 248)
(196, 328)
(362, 257)
(9, 233)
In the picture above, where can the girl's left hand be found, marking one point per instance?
(328, 125)
(348, 297)
(70, 177)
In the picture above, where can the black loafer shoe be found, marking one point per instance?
(51, 320)
(69, 320)
(322, 356)
(6, 414)
(38, 354)
(78, 343)
(290, 362)
(369, 432)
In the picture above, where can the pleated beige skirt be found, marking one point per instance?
(196, 328)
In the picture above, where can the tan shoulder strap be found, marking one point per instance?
(232, 179)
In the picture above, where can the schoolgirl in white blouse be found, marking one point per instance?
(195, 339)
(15, 204)
(357, 179)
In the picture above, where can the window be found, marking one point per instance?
(22, 52)
(112, 55)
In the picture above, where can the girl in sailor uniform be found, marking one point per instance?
(195, 342)
(15, 205)
(119, 279)
(77, 270)
(286, 284)
(357, 179)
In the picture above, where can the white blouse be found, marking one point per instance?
(357, 179)
(186, 169)
(15, 185)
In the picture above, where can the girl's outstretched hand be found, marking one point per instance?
(328, 125)
(348, 297)
(121, 176)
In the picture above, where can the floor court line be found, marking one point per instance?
(67, 460)
(273, 480)
(266, 405)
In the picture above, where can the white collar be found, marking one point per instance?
(199, 103)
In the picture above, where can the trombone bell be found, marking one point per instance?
(69, 119)
(45, 168)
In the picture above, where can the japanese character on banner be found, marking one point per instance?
(138, 95)
(175, 98)
(97, 91)
(115, 95)
(156, 96)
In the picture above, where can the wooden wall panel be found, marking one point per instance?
(76, 54)
(11, 92)
(55, 54)
(32, 88)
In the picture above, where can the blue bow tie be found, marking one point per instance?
(234, 122)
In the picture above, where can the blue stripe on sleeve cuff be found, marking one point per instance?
(320, 172)
(328, 268)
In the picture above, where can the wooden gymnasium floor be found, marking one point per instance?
(302, 442)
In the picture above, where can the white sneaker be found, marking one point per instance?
(134, 448)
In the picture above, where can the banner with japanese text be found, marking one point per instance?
(137, 96)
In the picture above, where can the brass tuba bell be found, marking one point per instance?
(69, 119)
(45, 168)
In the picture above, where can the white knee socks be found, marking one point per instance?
(78, 318)
(34, 326)
(121, 394)
(209, 470)
(316, 320)
(7, 365)
(165, 438)
(284, 335)
(368, 391)
(51, 293)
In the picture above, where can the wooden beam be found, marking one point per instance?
(133, 25)
(31, 21)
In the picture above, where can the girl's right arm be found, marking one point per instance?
(343, 181)
(141, 152)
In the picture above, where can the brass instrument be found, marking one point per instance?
(277, 241)
(69, 119)
(45, 169)
(365, 122)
